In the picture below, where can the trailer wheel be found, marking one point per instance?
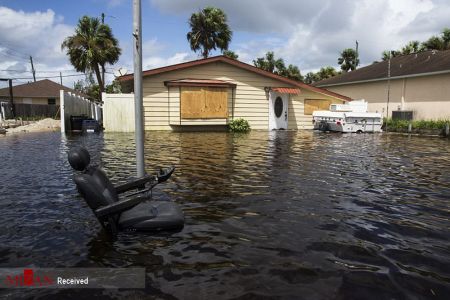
(359, 131)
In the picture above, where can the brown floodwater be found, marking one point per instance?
(269, 215)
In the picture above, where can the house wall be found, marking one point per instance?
(161, 104)
(427, 96)
(40, 101)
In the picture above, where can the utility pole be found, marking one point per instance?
(138, 108)
(103, 67)
(11, 97)
(60, 77)
(32, 68)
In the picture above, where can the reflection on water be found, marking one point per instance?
(268, 215)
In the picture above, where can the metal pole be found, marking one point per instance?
(138, 107)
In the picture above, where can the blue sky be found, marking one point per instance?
(309, 34)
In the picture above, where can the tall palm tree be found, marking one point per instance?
(269, 63)
(438, 42)
(209, 31)
(92, 47)
(411, 47)
(348, 60)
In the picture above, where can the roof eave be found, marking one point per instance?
(384, 78)
(238, 64)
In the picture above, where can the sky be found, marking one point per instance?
(309, 34)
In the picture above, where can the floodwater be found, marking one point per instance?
(269, 215)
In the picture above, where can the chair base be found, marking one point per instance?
(152, 216)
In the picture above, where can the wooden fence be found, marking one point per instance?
(118, 112)
(32, 111)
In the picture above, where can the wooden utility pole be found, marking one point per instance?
(32, 68)
(60, 77)
(11, 97)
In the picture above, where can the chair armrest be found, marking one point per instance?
(134, 184)
(163, 175)
(118, 206)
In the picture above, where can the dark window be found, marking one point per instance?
(51, 101)
(278, 107)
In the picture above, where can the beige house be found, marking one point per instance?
(216, 90)
(419, 83)
(42, 92)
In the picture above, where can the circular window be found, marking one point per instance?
(278, 107)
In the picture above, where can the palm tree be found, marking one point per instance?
(209, 31)
(411, 47)
(326, 72)
(311, 77)
(230, 54)
(293, 72)
(92, 47)
(438, 42)
(270, 64)
(349, 59)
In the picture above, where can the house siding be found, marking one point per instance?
(162, 104)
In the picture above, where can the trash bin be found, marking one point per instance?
(90, 125)
(76, 122)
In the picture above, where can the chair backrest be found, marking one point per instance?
(93, 184)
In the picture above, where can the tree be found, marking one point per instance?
(88, 87)
(389, 54)
(348, 60)
(92, 47)
(327, 72)
(311, 77)
(230, 54)
(293, 72)
(209, 31)
(114, 87)
(438, 42)
(411, 47)
(277, 66)
(270, 64)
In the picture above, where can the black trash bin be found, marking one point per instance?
(76, 122)
(90, 125)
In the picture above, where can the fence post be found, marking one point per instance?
(447, 129)
(61, 112)
(409, 127)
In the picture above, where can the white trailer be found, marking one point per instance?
(352, 117)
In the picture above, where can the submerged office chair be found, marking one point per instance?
(136, 212)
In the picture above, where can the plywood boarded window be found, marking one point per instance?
(312, 105)
(204, 103)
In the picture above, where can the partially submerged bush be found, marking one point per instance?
(417, 124)
(239, 125)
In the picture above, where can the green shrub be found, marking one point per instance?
(418, 124)
(239, 125)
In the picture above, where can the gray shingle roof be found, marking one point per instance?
(39, 89)
(404, 65)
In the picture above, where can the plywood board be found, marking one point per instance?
(204, 103)
(312, 105)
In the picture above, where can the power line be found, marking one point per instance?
(46, 77)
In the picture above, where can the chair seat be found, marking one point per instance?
(152, 216)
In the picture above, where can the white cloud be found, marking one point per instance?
(38, 34)
(313, 33)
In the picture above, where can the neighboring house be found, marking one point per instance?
(216, 90)
(43, 92)
(418, 82)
